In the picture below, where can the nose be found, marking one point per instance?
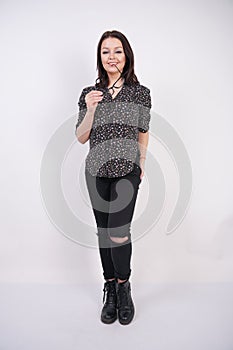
(111, 55)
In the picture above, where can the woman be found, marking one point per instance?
(114, 115)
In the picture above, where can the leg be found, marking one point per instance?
(119, 240)
(101, 187)
(119, 222)
(119, 230)
(121, 256)
(106, 257)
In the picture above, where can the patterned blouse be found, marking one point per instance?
(114, 148)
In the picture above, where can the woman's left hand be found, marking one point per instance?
(142, 173)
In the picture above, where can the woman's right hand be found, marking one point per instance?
(92, 99)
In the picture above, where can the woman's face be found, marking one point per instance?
(112, 54)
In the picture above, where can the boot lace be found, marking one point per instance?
(109, 292)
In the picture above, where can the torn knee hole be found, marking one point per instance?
(119, 239)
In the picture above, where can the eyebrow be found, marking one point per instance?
(117, 47)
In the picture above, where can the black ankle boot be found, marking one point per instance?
(125, 303)
(109, 311)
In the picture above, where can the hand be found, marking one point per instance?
(142, 173)
(92, 99)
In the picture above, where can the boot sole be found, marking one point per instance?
(109, 321)
(127, 321)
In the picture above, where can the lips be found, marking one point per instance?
(112, 63)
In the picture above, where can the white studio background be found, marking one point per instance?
(183, 52)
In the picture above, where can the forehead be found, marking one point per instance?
(111, 43)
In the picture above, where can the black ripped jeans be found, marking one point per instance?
(113, 202)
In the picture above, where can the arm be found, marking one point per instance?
(143, 139)
(87, 106)
(83, 130)
(144, 100)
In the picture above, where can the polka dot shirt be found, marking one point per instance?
(114, 148)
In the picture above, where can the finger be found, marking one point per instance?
(93, 102)
(96, 93)
(95, 99)
(94, 96)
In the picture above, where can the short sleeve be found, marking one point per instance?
(144, 100)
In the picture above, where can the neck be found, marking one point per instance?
(113, 78)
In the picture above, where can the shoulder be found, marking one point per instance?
(143, 95)
(142, 88)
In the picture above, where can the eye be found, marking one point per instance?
(104, 52)
(119, 51)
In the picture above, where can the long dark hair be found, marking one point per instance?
(128, 71)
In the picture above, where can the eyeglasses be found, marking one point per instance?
(111, 88)
(114, 85)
